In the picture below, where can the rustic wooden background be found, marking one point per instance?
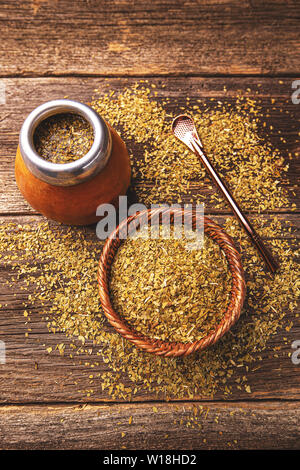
(53, 48)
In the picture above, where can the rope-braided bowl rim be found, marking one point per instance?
(166, 348)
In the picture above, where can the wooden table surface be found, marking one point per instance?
(49, 49)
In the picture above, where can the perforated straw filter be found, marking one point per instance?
(184, 129)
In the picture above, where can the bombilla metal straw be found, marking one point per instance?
(183, 128)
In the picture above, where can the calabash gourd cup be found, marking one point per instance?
(165, 348)
(71, 192)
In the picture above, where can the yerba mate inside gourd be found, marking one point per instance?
(63, 138)
(167, 291)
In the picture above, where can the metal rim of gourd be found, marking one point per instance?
(78, 171)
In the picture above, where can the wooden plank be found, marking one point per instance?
(23, 95)
(137, 38)
(32, 375)
(163, 426)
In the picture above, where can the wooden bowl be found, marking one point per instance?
(165, 348)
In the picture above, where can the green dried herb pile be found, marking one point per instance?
(167, 291)
(169, 172)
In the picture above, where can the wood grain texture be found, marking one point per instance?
(23, 95)
(31, 375)
(141, 38)
(70, 47)
(166, 426)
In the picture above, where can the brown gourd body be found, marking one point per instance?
(77, 204)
